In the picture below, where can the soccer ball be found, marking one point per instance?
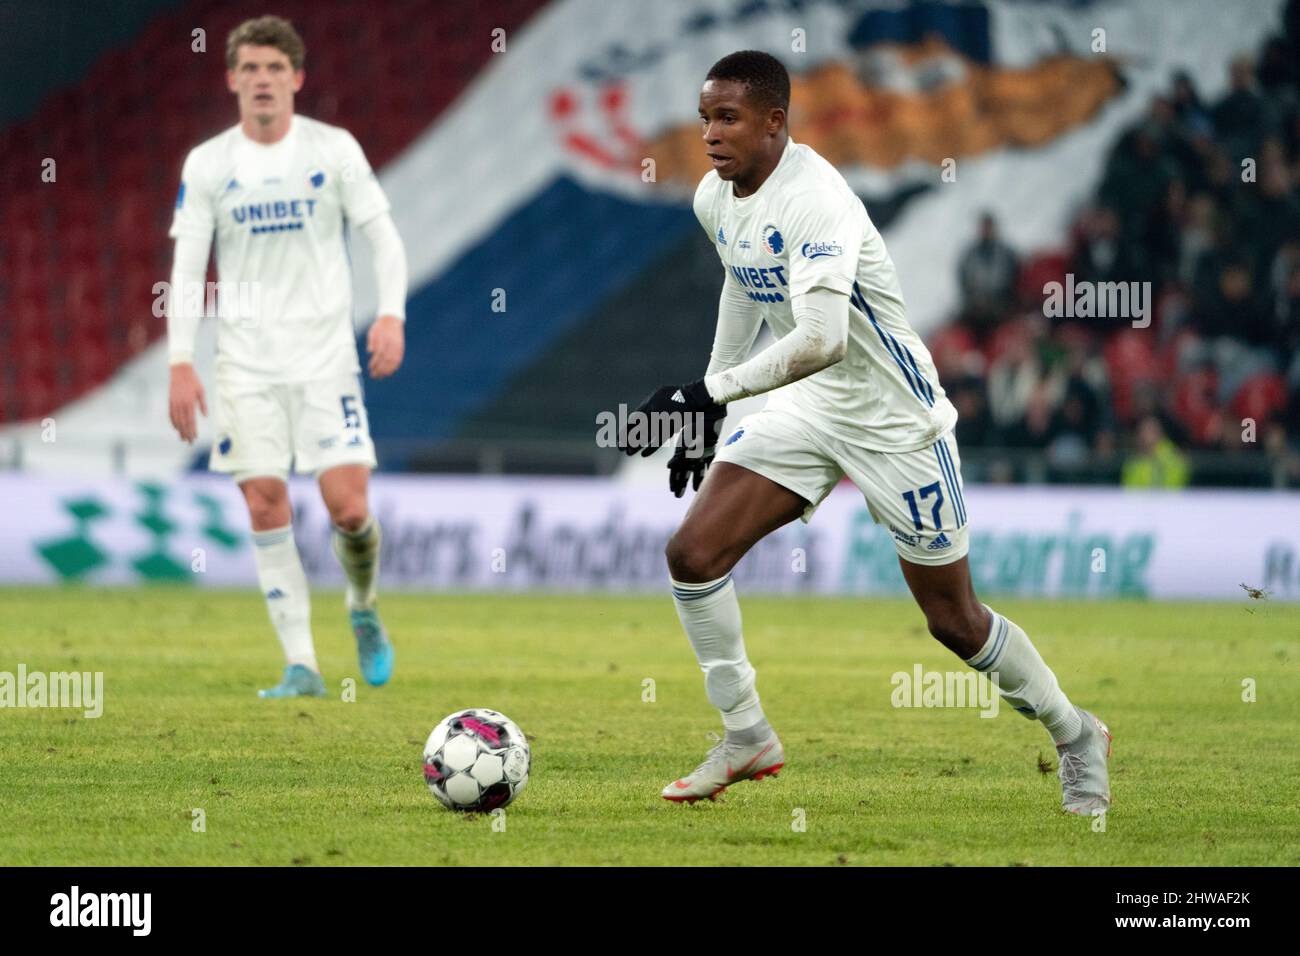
(476, 760)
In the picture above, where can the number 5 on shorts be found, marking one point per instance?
(352, 419)
(925, 492)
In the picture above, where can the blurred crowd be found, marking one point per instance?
(1201, 200)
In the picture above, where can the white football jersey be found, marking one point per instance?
(805, 228)
(280, 214)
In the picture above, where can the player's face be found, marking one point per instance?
(264, 81)
(736, 133)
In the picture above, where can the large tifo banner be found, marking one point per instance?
(488, 534)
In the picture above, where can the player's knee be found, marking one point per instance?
(268, 505)
(690, 560)
(956, 627)
(945, 630)
(350, 513)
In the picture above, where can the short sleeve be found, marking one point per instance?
(362, 197)
(194, 214)
(824, 236)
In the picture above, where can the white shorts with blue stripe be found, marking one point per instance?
(916, 495)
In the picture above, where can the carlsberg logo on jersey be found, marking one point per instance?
(818, 250)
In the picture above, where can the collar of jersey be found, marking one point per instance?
(289, 135)
(743, 204)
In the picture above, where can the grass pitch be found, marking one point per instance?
(1199, 775)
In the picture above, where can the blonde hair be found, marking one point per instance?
(266, 31)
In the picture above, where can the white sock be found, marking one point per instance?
(284, 583)
(710, 614)
(1024, 680)
(358, 553)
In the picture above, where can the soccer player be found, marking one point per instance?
(853, 392)
(279, 190)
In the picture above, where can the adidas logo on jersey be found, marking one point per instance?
(939, 543)
(275, 593)
(679, 397)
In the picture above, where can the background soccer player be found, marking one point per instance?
(854, 392)
(279, 190)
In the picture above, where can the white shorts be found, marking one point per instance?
(917, 495)
(262, 429)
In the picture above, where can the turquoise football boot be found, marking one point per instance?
(298, 681)
(374, 650)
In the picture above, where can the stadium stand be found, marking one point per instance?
(1200, 200)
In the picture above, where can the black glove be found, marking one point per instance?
(693, 405)
(681, 466)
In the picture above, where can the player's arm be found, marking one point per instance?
(365, 204)
(738, 317)
(386, 341)
(819, 340)
(738, 323)
(823, 237)
(192, 229)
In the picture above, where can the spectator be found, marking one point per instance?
(1138, 172)
(1285, 295)
(1158, 463)
(1188, 109)
(1273, 216)
(1232, 309)
(1240, 117)
(973, 424)
(1102, 254)
(1277, 68)
(987, 272)
(1012, 378)
(1197, 237)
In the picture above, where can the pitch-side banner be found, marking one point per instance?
(507, 534)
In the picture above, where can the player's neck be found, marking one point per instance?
(744, 188)
(267, 133)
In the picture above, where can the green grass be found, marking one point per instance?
(1198, 775)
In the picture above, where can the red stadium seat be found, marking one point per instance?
(1003, 336)
(1260, 397)
(1130, 361)
(948, 346)
(1195, 403)
(1038, 271)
